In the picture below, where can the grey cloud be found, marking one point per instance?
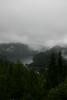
(41, 22)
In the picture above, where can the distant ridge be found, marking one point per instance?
(23, 52)
(16, 51)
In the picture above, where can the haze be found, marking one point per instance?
(33, 22)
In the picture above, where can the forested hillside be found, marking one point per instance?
(16, 51)
(21, 82)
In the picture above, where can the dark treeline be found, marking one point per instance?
(21, 82)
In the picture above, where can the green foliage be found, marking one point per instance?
(52, 72)
(59, 92)
(56, 70)
(19, 82)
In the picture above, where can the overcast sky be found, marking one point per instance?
(34, 22)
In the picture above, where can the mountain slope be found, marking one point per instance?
(16, 51)
(42, 59)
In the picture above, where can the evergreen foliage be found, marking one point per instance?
(19, 82)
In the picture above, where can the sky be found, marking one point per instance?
(33, 22)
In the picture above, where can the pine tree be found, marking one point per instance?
(52, 71)
(61, 68)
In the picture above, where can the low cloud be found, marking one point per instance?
(33, 22)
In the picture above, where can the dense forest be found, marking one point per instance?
(36, 81)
